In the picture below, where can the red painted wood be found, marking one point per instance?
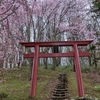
(56, 43)
(35, 72)
(78, 71)
(44, 55)
(74, 54)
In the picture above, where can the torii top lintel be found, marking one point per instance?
(56, 43)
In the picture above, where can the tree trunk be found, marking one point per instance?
(1, 64)
(54, 64)
(45, 60)
(31, 66)
(90, 63)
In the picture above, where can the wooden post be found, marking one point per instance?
(78, 71)
(35, 72)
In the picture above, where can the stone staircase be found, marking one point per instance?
(60, 91)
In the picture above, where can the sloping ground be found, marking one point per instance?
(91, 83)
(15, 83)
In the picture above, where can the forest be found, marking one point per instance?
(49, 21)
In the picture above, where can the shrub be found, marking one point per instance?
(3, 95)
(86, 69)
(97, 87)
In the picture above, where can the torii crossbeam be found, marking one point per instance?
(76, 54)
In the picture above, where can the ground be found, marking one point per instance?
(91, 83)
(15, 83)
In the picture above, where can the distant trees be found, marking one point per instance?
(47, 20)
(10, 32)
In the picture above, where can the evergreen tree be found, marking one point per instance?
(96, 7)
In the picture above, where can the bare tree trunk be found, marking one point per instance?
(95, 60)
(54, 64)
(45, 60)
(31, 66)
(1, 64)
(90, 62)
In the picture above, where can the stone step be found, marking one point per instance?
(61, 98)
(60, 92)
(60, 89)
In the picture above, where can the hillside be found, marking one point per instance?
(15, 83)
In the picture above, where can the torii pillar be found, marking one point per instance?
(76, 54)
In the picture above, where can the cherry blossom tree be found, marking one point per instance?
(11, 31)
(60, 18)
(31, 20)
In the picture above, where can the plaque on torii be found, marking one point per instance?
(75, 53)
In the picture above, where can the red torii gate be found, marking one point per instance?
(76, 54)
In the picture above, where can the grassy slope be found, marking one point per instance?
(89, 86)
(17, 84)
